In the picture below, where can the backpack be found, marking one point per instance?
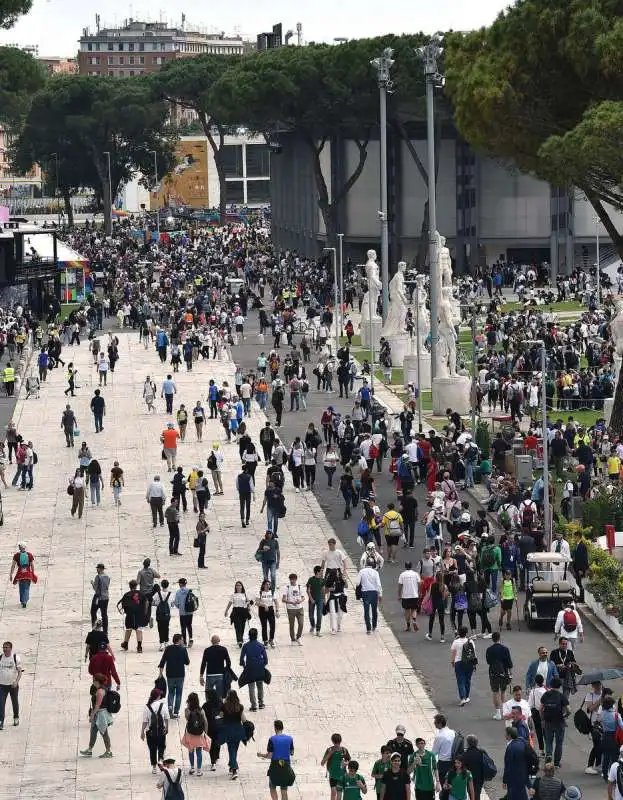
(195, 724)
(458, 745)
(174, 789)
(192, 602)
(212, 462)
(551, 706)
(487, 559)
(163, 609)
(468, 656)
(460, 602)
(23, 559)
(505, 517)
(35, 458)
(569, 621)
(112, 701)
(490, 600)
(527, 514)
(532, 759)
(489, 770)
(373, 452)
(130, 602)
(156, 723)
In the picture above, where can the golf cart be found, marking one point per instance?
(548, 590)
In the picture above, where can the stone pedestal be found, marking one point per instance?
(374, 329)
(608, 406)
(454, 393)
(401, 347)
(409, 366)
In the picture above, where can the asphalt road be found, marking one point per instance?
(431, 659)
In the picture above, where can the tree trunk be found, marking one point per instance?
(69, 211)
(422, 247)
(206, 124)
(107, 203)
(605, 219)
(616, 419)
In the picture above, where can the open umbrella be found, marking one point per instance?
(608, 674)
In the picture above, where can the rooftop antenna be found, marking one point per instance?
(97, 23)
(183, 21)
(299, 33)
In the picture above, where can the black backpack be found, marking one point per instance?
(212, 462)
(156, 723)
(192, 602)
(163, 609)
(195, 724)
(458, 745)
(112, 701)
(174, 789)
(468, 654)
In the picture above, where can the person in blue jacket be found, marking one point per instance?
(515, 777)
(253, 659)
(543, 666)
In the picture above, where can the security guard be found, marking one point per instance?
(8, 377)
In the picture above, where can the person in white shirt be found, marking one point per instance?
(442, 746)
(371, 554)
(371, 593)
(613, 777)
(293, 598)
(409, 595)
(565, 625)
(333, 560)
(463, 669)
(10, 674)
(155, 726)
(169, 774)
(517, 700)
(534, 701)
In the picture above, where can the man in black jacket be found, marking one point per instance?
(498, 657)
(214, 672)
(580, 565)
(472, 759)
(267, 440)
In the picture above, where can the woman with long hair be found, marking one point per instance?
(268, 609)
(250, 459)
(232, 731)
(438, 596)
(155, 727)
(195, 737)
(239, 604)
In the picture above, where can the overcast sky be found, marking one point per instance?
(56, 25)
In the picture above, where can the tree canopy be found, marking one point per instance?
(10, 10)
(20, 77)
(84, 118)
(536, 87)
(188, 83)
(319, 92)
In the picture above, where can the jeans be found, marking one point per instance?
(267, 620)
(157, 746)
(174, 537)
(24, 592)
(269, 572)
(370, 601)
(492, 579)
(463, 674)
(99, 418)
(259, 686)
(116, 493)
(18, 475)
(314, 608)
(13, 692)
(169, 401)
(186, 625)
(232, 749)
(551, 732)
(96, 603)
(191, 757)
(174, 688)
(245, 506)
(295, 615)
(216, 682)
(272, 520)
(469, 473)
(96, 493)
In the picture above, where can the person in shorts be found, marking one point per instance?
(280, 750)
(335, 760)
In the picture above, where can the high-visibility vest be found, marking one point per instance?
(8, 375)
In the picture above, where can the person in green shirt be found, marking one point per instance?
(315, 600)
(335, 759)
(491, 562)
(380, 768)
(509, 594)
(353, 784)
(459, 782)
(423, 764)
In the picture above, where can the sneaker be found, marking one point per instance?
(487, 635)
(191, 771)
(151, 622)
(190, 642)
(212, 767)
(124, 645)
(107, 754)
(318, 633)
(199, 773)
(467, 699)
(253, 708)
(429, 637)
(497, 715)
(462, 702)
(262, 705)
(139, 647)
(154, 770)
(161, 648)
(15, 722)
(299, 642)
(592, 771)
(86, 753)
(271, 643)
(311, 629)
(442, 640)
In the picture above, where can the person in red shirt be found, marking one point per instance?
(103, 663)
(530, 441)
(24, 571)
(169, 438)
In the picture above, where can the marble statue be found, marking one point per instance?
(446, 366)
(444, 262)
(616, 327)
(422, 314)
(371, 297)
(398, 305)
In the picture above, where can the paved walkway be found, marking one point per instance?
(361, 686)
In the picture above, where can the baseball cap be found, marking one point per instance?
(401, 729)
(573, 793)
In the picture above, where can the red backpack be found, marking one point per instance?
(569, 621)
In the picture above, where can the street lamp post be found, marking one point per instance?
(109, 220)
(598, 261)
(383, 65)
(155, 185)
(335, 297)
(547, 522)
(430, 53)
(340, 237)
(371, 338)
(417, 352)
(58, 208)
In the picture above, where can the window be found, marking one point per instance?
(110, 73)
(131, 73)
(235, 191)
(141, 59)
(232, 160)
(111, 45)
(131, 46)
(258, 191)
(141, 46)
(258, 160)
(120, 47)
(131, 60)
(89, 47)
(111, 60)
(121, 73)
(97, 47)
(163, 47)
(121, 60)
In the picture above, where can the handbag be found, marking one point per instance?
(427, 604)
(163, 455)
(70, 489)
(358, 593)
(258, 555)
(196, 541)
(582, 721)
(76, 432)
(267, 676)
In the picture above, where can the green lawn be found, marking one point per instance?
(583, 418)
(567, 305)
(67, 308)
(356, 340)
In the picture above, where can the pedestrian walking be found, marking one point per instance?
(71, 379)
(155, 496)
(202, 529)
(253, 660)
(408, 594)
(96, 481)
(231, 731)
(101, 586)
(172, 516)
(215, 669)
(3, 465)
(554, 710)
(131, 606)
(246, 489)
(443, 746)
(336, 600)
(334, 760)
(240, 606)
(437, 596)
(173, 663)
(395, 783)
(293, 599)
(268, 610)
(199, 416)
(170, 780)
(146, 579)
(98, 409)
(371, 592)
(149, 393)
(463, 658)
(22, 567)
(215, 465)
(69, 424)
(167, 391)
(498, 658)
(508, 599)
(103, 365)
(155, 727)
(186, 603)
(459, 782)
(515, 778)
(195, 738)
(316, 594)
(116, 482)
(169, 437)
(10, 675)
(179, 484)
(424, 767)
(161, 600)
(99, 717)
(279, 750)
(268, 554)
(534, 701)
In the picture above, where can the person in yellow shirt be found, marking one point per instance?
(614, 466)
(393, 527)
(192, 479)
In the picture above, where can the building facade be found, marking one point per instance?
(138, 47)
(14, 188)
(57, 65)
(486, 212)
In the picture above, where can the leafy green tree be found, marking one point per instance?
(20, 77)
(10, 10)
(534, 88)
(319, 93)
(92, 120)
(188, 83)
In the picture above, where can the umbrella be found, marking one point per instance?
(608, 674)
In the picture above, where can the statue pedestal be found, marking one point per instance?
(401, 344)
(409, 366)
(373, 329)
(608, 406)
(453, 392)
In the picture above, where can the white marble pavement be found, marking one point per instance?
(359, 685)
